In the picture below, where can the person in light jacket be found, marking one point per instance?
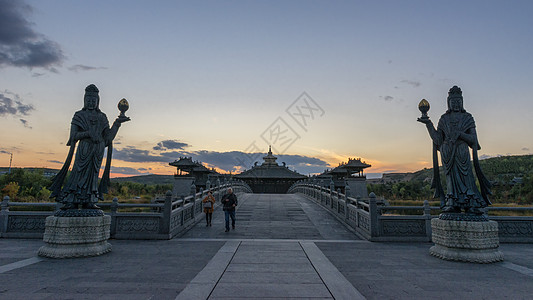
(209, 204)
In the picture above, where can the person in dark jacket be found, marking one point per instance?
(229, 202)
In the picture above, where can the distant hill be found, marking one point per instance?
(502, 168)
(147, 179)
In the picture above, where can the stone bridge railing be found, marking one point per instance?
(373, 220)
(164, 220)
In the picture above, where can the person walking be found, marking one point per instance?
(229, 200)
(209, 204)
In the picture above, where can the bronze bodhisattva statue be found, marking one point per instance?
(453, 138)
(90, 130)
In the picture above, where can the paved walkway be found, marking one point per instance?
(283, 247)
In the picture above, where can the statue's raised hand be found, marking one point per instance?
(122, 119)
(424, 120)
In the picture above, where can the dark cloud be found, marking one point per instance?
(55, 161)
(25, 123)
(4, 151)
(20, 45)
(412, 82)
(77, 68)
(525, 149)
(132, 154)
(387, 98)
(227, 161)
(11, 104)
(126, 171)
(170, 145)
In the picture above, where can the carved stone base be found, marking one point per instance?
(67, 237)
(466, 241)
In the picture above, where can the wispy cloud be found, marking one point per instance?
(387, 98)
(525, 149)
(78, 68)
(20, 44)
(412, 83)
(25, 123)
(12, 105)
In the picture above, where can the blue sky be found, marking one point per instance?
(217, 76)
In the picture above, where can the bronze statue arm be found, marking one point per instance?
(435, 134)
(76, 134)
(469, 137)
(111, 133)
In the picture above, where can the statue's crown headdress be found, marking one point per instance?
(455, 91)
(91, 88)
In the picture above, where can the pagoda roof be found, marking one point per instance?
(184, 162)
(270, 169)
(352, 166)
(188, 165)
(271, 172)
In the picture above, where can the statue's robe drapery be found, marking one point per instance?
(461, 189)
(82, 184)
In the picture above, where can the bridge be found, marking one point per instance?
(285, 246)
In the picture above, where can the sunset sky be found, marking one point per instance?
(320, 81)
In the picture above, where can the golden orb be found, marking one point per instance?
(423, 106)
(123, 106)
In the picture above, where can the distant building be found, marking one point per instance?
(350, 173)
(47, 172)
(189, 173)
(270, 177)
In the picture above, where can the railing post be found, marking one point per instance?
(331, 190)
(427, 217)
(4, 207)
(167, 212)
(373, 210)
(193, 195)
(114, 208)
(346, 202)
(4, 215)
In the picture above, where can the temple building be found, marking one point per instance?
(270, 177)
(351, 174)
(189, 172)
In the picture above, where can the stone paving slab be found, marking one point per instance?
(271, 216)
(407, 271)
(133, 270)
(270, 290)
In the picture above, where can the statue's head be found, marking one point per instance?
(455, 99)
(91, 100)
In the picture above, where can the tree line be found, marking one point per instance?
(32, 186)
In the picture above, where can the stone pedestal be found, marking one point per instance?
(357, 187)
(466, 241)
(67, 237)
